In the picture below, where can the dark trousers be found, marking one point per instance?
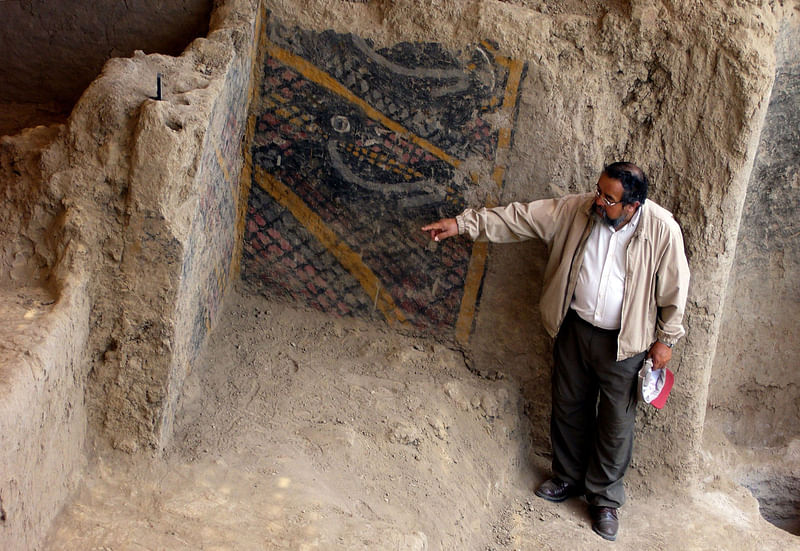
(594, 410)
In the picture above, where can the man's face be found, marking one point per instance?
(614, 214)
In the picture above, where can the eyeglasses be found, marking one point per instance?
(603, 197)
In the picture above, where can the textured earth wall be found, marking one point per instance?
(44, 326)
(118, 230)
(179, 209)
(680, 89)
(755, 387)
(368, 119)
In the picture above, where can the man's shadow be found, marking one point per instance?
(509, 341)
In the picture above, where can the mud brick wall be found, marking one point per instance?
(180, 247)
(354, 148)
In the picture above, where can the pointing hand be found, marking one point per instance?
(444, 228)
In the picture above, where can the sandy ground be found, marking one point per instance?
(300, 431)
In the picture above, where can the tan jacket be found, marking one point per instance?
(657, 277)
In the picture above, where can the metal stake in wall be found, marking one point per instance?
(158, 87)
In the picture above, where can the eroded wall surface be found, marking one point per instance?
(44, 330)
(755, 386)
(182, 216)
(118, 231)
(678, 88)
(213, 248)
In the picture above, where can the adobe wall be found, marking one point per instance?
(177, 210)
(213, 244)
(44, 329)
(675, 97)
(755, 386)
(369, 119)
(680, 89)
(118, 240)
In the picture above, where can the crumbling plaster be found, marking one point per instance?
(97, 226)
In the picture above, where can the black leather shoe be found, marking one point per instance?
(604, 521)
(556, 490)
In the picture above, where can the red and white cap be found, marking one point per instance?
(654, 384)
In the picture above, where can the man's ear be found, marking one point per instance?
(635, 205)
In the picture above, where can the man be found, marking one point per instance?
(614, 292)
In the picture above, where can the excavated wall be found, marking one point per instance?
(754, 396)
(757, 355)
(680, 89)
(54, 50)
(181, 226)
(354, 148)
(118, 240)
(362, 121)
(44, 331)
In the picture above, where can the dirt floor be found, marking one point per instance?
(301, 431)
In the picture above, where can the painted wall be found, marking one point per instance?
(214, 238)
(354, 143)
(354, 149)
(209, 251)
(652, 83)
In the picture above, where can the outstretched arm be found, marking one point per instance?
(511, 223)
(442, 229)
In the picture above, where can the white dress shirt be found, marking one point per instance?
(601, 281)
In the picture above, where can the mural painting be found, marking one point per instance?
(209, 258)
(353, 149)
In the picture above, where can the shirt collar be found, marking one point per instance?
(634, 221)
